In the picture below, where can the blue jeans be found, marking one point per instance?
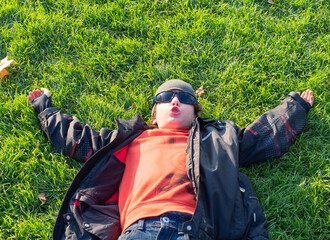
(168, 226)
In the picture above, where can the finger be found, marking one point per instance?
(310, 93)
(31, 96)
(308, 96)
(34, 94)
(46, 91)
(37, 93)
(311, 98)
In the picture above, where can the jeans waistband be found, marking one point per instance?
(170, 219)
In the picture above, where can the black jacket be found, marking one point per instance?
(227, 206)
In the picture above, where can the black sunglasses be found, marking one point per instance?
(182, 96)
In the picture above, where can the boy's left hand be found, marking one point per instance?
(307, 96)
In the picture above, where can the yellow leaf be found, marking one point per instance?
(3, 73)
(3, 64)
(42, 198)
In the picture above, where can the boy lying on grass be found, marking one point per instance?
(178, 180)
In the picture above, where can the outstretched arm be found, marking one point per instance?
(65, 132)
(274, 132)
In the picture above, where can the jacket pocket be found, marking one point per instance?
(73, 231)
(95, 220)
(256, 220)
(102, 221)
(239, 217)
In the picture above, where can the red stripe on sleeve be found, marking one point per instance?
(273, 137)
(89, 154)
(253, 132)
(73, 148)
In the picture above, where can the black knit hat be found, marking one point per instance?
(176, 84)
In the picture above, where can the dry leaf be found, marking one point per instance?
(271, 1)
(3, 64)
(132, 106)
(200, 91)
(186, 47)
(42, 198)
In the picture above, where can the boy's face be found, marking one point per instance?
(174, 114)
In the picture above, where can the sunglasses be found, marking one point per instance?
(168, 96)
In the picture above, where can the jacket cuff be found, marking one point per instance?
(302, 102)
(41, 103)
(44, 114)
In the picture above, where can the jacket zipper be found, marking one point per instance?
(191, 173)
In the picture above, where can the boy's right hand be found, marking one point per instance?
(37, 93)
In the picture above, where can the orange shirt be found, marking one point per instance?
(155, 180)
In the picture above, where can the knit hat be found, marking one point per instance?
(176, 84)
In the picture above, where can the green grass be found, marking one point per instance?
(105, 59)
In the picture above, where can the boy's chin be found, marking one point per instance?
(174, 125)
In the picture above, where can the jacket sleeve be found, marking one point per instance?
(67, 134)
(274, 132)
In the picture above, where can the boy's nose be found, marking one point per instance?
(175, 101)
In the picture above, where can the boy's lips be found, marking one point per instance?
(175, 111)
